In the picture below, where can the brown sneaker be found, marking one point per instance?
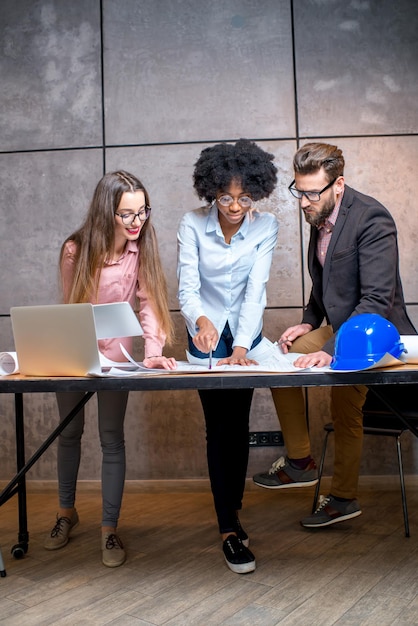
(113, 553)
(59, 535)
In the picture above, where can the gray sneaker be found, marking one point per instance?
(59, 535)
(330, 511)
(282, 475)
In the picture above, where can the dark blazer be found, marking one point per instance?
(361, 270)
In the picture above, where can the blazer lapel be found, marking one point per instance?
(336, 231)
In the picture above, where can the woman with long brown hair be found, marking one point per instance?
(112, 257)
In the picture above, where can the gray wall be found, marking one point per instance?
(90, 86)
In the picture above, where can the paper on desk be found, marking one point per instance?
(268, 355)
(126, 368)
(116, 368)
(271, 359)
(8, 363)
(184, 367)
(108, 363)
(410, 343)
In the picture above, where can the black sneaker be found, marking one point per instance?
(238, 558)
(241, 534)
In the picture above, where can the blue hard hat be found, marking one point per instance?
(363, 340)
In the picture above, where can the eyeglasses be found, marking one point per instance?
(312, 196)
(245, 202)
(129, 218)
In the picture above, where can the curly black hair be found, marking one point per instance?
(243, 162)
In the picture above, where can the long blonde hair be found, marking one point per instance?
(94, 244)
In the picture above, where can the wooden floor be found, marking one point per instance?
(354, 573)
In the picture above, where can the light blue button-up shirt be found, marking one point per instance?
(225, 282)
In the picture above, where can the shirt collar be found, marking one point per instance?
(213, 222)
(131, 246)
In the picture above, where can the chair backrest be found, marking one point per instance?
(404, 397)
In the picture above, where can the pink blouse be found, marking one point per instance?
(119, 283)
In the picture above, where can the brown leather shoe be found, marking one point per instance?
(113, 553)
(59, 535)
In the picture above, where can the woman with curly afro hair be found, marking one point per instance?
(225, 250)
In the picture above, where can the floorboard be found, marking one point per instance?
(360, 572)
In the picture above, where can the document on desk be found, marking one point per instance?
(268, 355)
(184, 367)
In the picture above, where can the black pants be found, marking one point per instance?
(227, 414)
(227, 417)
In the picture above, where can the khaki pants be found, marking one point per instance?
(347, 416)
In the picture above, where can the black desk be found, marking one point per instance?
(375, 379)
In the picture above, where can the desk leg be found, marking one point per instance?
(18, 483)
(20, 549)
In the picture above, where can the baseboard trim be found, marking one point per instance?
(203, 485)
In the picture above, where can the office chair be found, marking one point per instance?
(389, 414)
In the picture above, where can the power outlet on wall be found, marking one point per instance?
(266, 438)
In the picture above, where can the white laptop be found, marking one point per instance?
(61, 339)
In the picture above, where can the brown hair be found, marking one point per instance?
(312, 156)
(94, 242)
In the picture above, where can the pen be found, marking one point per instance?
(210, 359)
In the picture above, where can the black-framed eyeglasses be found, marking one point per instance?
(129, 218)
(312, 196)
(226, 200)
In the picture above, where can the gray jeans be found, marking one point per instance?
(111, 414)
